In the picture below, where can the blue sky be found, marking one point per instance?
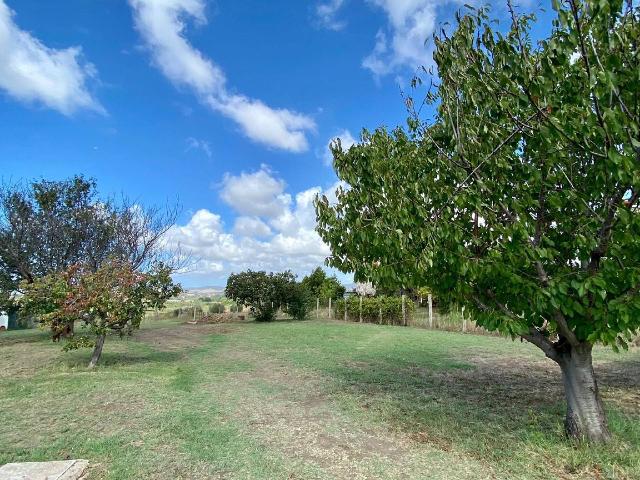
(226, 106)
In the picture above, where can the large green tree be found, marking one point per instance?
(319, 285)
(519, 196)
(264, 293)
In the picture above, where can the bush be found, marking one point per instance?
(216, 307)
(372, 307)
(299, 301)
(263, 292)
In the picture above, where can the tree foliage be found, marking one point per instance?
(111, 299)
(319, 285)
(265, 293)
(519, 197)
(48, 226)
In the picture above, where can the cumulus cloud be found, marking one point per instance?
(34, 73)
(326, 15)
(346, 142)
(251, 227)
(276, 239)
(255, 194)
(162, 24)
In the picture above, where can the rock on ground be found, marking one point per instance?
(60, 470)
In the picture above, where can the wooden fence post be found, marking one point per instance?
(380, 315)
(464, 322)
(330, 311)
(404, 309)
(360, 308)
(318, 307)
(430, 300)
(345, 309)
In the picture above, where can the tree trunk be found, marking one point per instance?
(97, 351)
(68, 330)
(585, 418)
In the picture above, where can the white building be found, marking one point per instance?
(4, 321)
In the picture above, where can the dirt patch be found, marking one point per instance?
(293, 413)
(21, 360)
(181, 337)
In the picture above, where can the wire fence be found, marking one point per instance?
(413, 312)
(423, 313)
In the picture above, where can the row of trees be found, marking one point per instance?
(67, 256)
(519, 198)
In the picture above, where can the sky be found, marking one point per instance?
(226, 107)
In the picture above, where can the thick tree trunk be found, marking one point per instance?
(97, 351)
(585, 418)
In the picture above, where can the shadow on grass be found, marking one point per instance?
(508, 410)
(80, 359)
(15, 337)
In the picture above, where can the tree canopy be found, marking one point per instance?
(266, 292)
(48, 226)
(519, 197)
(113, 298)
(319, 285)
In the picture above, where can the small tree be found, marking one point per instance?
(114, 298)
(48, 226)
(520, 197)
(264, 293)
(319, 285)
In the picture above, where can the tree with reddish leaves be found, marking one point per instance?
(111, 299)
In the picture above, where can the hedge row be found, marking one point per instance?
(373, 308)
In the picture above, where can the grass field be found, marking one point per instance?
(307, 400)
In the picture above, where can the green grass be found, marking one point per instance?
(307, 400)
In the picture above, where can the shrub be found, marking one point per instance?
(373, 307)
(299, 301)
(262, 292)
(216, 307)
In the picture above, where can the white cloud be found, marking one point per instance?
(346, 142)
(410, 24)
(196, 144)
(255, 194)
(276, 127)
(326, 13)
(161, 23)
(32, 72)
(287, 240)
(251, 227)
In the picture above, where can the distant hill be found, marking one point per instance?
(198, 292)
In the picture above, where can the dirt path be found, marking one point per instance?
(289, 410)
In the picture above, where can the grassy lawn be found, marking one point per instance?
(307, 400)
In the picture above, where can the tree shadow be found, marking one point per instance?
(494, 406)
(15, 337)
(81, 358)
